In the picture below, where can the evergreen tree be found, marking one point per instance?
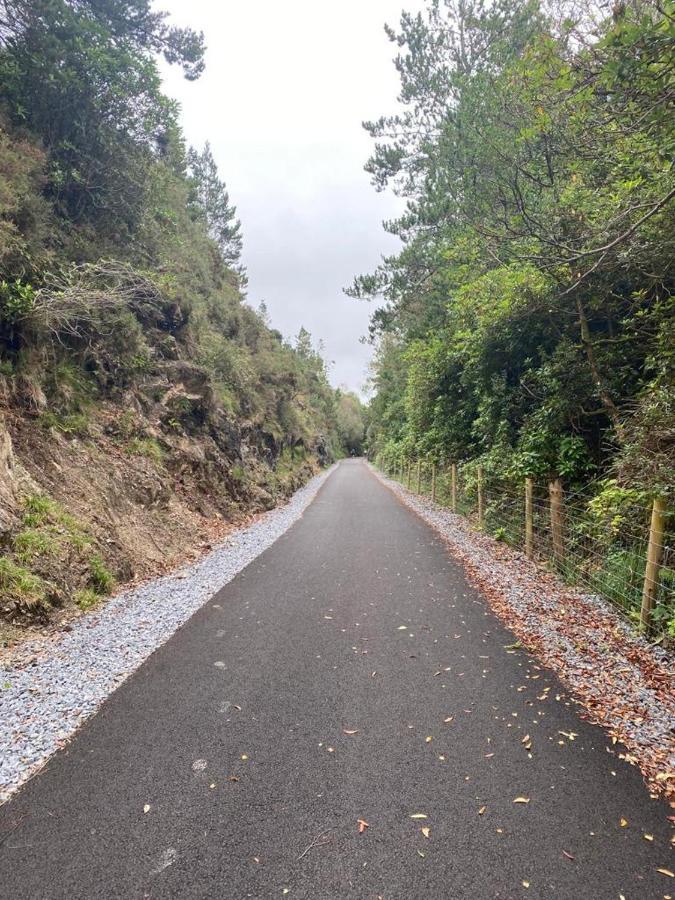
(213, 203)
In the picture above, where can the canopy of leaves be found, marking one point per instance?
(528, 318)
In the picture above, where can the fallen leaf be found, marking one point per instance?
(522, 800)
(362, 825)
(526, 884)
(568, 855)
(428, 740)
(426, 832)
(419, 816)
(348, 731)
(482, 810)
(623, 822)
(449, 719)
(244, 756)
(146, 808)
(648, 837)
(402, 627)
(419, 853)
(666, 872)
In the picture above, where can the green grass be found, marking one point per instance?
(32, 542)
(38, 510)
(69, 423)
(26, 591)
(100, 577)
(147, 447)
(87, 599)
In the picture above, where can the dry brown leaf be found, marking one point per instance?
(623, 822)
(522, 800)
(449, 719)
(362, 825)
(428, 740)
(350, 731)
(426, 832)
(648, 837)
(419, 816)
(482, 810)
(666, 872)
(568, 855)
(146, 808)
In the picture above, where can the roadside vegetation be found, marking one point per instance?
(526, 329)
(125, 337)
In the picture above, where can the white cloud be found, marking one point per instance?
(286, 88)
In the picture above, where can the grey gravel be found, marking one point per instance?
(43, 702)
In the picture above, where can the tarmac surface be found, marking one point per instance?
(346, 718)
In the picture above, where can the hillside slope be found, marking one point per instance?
(145, 406)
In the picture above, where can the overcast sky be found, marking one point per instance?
(286, 88)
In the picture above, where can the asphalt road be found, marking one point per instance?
(226, 767)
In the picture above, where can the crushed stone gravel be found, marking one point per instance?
(54, 688)
(620, 680)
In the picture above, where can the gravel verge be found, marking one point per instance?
(46, 697)
(620, 680)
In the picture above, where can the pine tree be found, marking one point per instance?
(213, 203)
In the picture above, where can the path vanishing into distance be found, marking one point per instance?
(346, 718)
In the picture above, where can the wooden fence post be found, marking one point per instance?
(529, 524)
(555, 493)
(654, 559)
(409, 473)
(453, 486)
(480, 497)
(419, 476)
(433, 482)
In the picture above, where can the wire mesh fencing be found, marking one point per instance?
(628, 559)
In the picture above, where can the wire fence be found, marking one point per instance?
(628, 558)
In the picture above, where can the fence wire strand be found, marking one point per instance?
(605, 558)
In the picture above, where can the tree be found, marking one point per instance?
(351, 422)
(213, 203)
(528, 304)
(81, 76)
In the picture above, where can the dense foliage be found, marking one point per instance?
(119, 247)
(527, 322)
